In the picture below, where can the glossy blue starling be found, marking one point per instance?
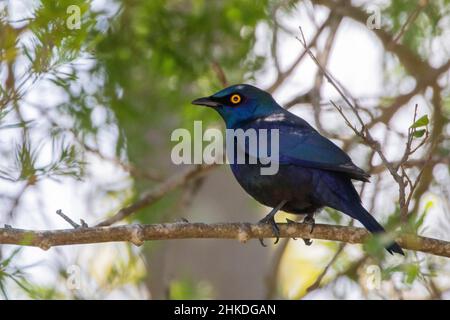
(313, 172)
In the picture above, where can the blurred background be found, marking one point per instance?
(90, 92)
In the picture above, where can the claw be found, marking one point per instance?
(261, 240)
(276, 231)
(269, 219)
(310, 220)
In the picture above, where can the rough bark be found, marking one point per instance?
(138, 233)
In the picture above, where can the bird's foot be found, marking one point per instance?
(269, 219)
(309, 219)
(308, 242)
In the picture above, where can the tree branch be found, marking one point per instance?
(157, 193)
(281, 77)
(138, 233)
(414, 64)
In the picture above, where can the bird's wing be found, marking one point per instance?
(300, 144)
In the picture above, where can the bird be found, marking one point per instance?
(313, 172)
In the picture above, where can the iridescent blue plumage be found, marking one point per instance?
(313, 171)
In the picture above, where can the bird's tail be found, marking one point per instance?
(361, 214)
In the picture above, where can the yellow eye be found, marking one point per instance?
(235, 99)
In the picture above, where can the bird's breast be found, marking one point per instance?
(290, 183)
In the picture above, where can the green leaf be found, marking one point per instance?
(416, 220)
(23, 124)
(412, 272)
(421, 122)
(419, 133)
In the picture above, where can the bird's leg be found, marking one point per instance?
(270, 219)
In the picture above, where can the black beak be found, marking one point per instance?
(206, 101)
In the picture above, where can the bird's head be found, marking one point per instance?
(240, 103)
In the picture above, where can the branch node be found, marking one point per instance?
(45, 244)
(83, 224)
(292, 227)
(137, 235)
(244, 233)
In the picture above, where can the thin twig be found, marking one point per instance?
(281, 77)
(70, 221)
(217, 68)
(316, 283)
(412, 16)
(157, 193)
